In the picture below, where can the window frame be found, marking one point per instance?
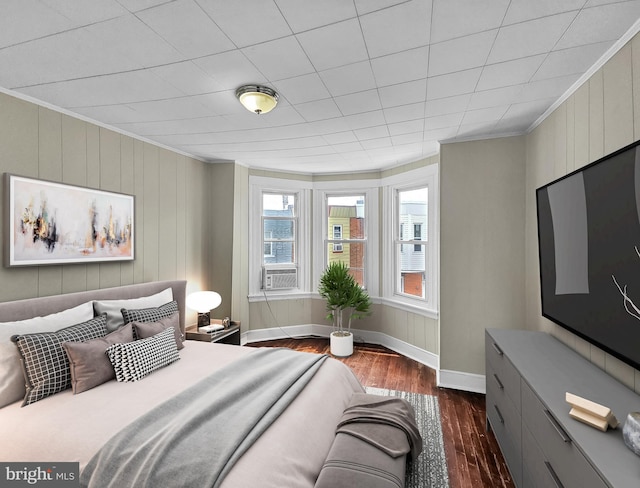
(258, 185)
(419, 178)
(368, 188)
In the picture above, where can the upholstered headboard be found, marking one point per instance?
(34, 307)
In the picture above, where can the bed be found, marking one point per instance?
(68, 427)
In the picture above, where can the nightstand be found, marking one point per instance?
(230, 335)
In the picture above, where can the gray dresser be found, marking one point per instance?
(527, 375)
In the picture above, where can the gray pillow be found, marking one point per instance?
(88, 360)
(148, 329)
(112, 307)
(135, 360)
(44, 362)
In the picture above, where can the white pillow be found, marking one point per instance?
(11, 377)
(112, 307)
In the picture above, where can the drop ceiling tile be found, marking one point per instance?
(348, 147)
(523, 10)
(401, 67)
(462, 53)
(453, 84)
(83, 13)
(449, 23)
(408, 127)
(356, 103)
(24, 20)
(602, 23)
(494, 97)
(366, 6)
(223, 102)
(551, 87)
(172, 127)
(352, 78)
(52, 60)
(529, 38)
(378, 143)
(509, 73)
(404, 93)
(318, 110)
(573, 60)
(186, 77)
(411, 138)
(104, 90)
(442, 121)
(527, 111)
(340, 137)
(128, 37)
(109, 114)
(136, 5)
(442, 134)
(403, 113)
(247, 23)
(302, 16)
(186, 27)
(397, 28)
(484, 115)
(230, 70)
(300, 89)
(377, 132)
(171, 109)
(449, 105)
(478, 130)
(279, 59)
(334, 45)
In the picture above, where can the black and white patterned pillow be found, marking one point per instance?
(153, 314)
(132, 361)
(44, 361)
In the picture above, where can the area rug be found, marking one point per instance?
(430, 468)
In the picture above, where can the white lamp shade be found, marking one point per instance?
(257, 99)
(203, 301)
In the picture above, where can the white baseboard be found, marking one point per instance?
(459, 380)
(425, 357)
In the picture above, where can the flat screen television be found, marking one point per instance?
(589, 251)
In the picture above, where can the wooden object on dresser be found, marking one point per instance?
(229, 335)
(527, 375)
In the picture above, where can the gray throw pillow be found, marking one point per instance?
(151, 314)
(88, 360)
(148, 329)
(45, 364)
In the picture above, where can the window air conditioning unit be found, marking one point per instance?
(279, 278)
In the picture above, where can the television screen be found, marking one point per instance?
(589, 245)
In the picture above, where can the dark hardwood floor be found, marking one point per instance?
(473, 457)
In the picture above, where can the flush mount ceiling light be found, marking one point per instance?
(257, 99)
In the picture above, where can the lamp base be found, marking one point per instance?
(204, 319)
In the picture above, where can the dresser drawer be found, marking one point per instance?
(506, 425)
(571, 468)
(500, 372)
(536, 472)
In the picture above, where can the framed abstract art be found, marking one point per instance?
(55, 223)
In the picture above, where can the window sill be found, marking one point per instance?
(410, 307)
(279, 295)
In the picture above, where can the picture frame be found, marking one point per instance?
(52, 223)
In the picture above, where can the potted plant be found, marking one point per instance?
(346, 300)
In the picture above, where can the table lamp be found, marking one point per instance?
(203, 302)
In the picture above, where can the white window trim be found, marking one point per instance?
(426, 176)
(370, 189)
(258, 185)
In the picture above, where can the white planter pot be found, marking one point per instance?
(341, 345)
